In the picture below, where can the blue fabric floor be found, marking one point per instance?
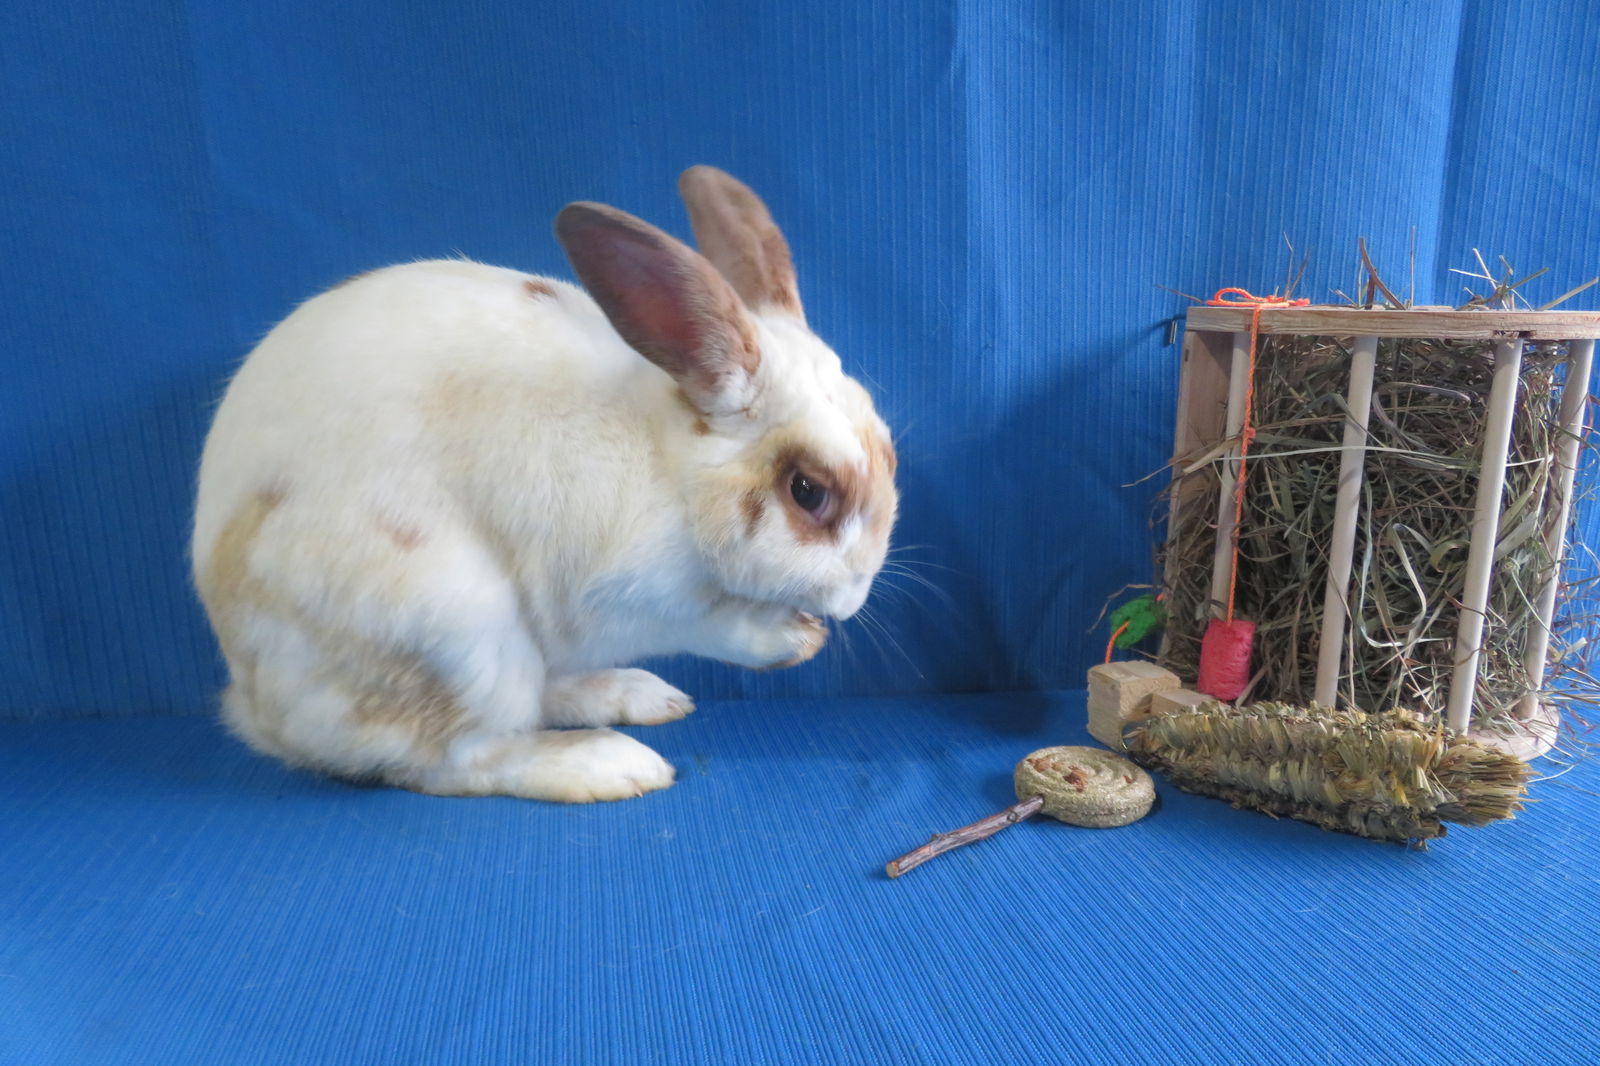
(170, 898)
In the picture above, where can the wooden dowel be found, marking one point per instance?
(1485, 532)
(1574, 397)
(1347, 505)
(1228, 472)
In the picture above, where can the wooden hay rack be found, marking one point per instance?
(1211, 397)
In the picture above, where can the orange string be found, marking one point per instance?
(1112, 643)
(1242, 298)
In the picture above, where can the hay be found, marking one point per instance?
(1387, 776)
(1421, 474)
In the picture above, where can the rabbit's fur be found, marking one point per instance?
(443, 504)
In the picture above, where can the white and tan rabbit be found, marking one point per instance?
(443, 504)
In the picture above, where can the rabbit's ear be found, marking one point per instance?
(667, 302)
(736, 232)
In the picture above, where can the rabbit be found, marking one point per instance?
(443, 505)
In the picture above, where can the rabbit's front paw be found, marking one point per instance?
(595, 764)
(613, 697)
(762, 636)
(797, 640)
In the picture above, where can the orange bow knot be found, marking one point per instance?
(1244, 298)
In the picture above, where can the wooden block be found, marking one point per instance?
(1125, 685)
(1120, 693)
(1177, 701)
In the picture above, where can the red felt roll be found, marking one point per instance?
(1225, 658)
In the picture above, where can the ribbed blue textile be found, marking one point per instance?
(984, 198)
(170, 899)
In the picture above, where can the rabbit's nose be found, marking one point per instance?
(851, 596)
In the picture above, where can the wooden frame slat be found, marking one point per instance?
(1420, 322)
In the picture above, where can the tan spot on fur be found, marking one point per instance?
(536, 287)
(226, 587)
(752, 348)
(881, 465)
(226, 573)
(754, 504)
(699, 426)
(388, 690)
(880, 453)
(883, 519)
(406, 537)
(451, 399)
(399, 691)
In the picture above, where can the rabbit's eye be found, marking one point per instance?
(811, 495)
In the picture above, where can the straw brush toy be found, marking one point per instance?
(1386, 776)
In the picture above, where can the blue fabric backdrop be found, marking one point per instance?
(983, 199)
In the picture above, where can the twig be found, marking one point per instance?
(1569, 294)
(1180, 292)
(1372, 274)
(1292, 278)
(986, 827)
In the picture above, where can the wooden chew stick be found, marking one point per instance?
(1083, 786)
(986, 827)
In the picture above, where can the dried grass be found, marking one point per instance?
(1388, 776)
(1421, 473)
